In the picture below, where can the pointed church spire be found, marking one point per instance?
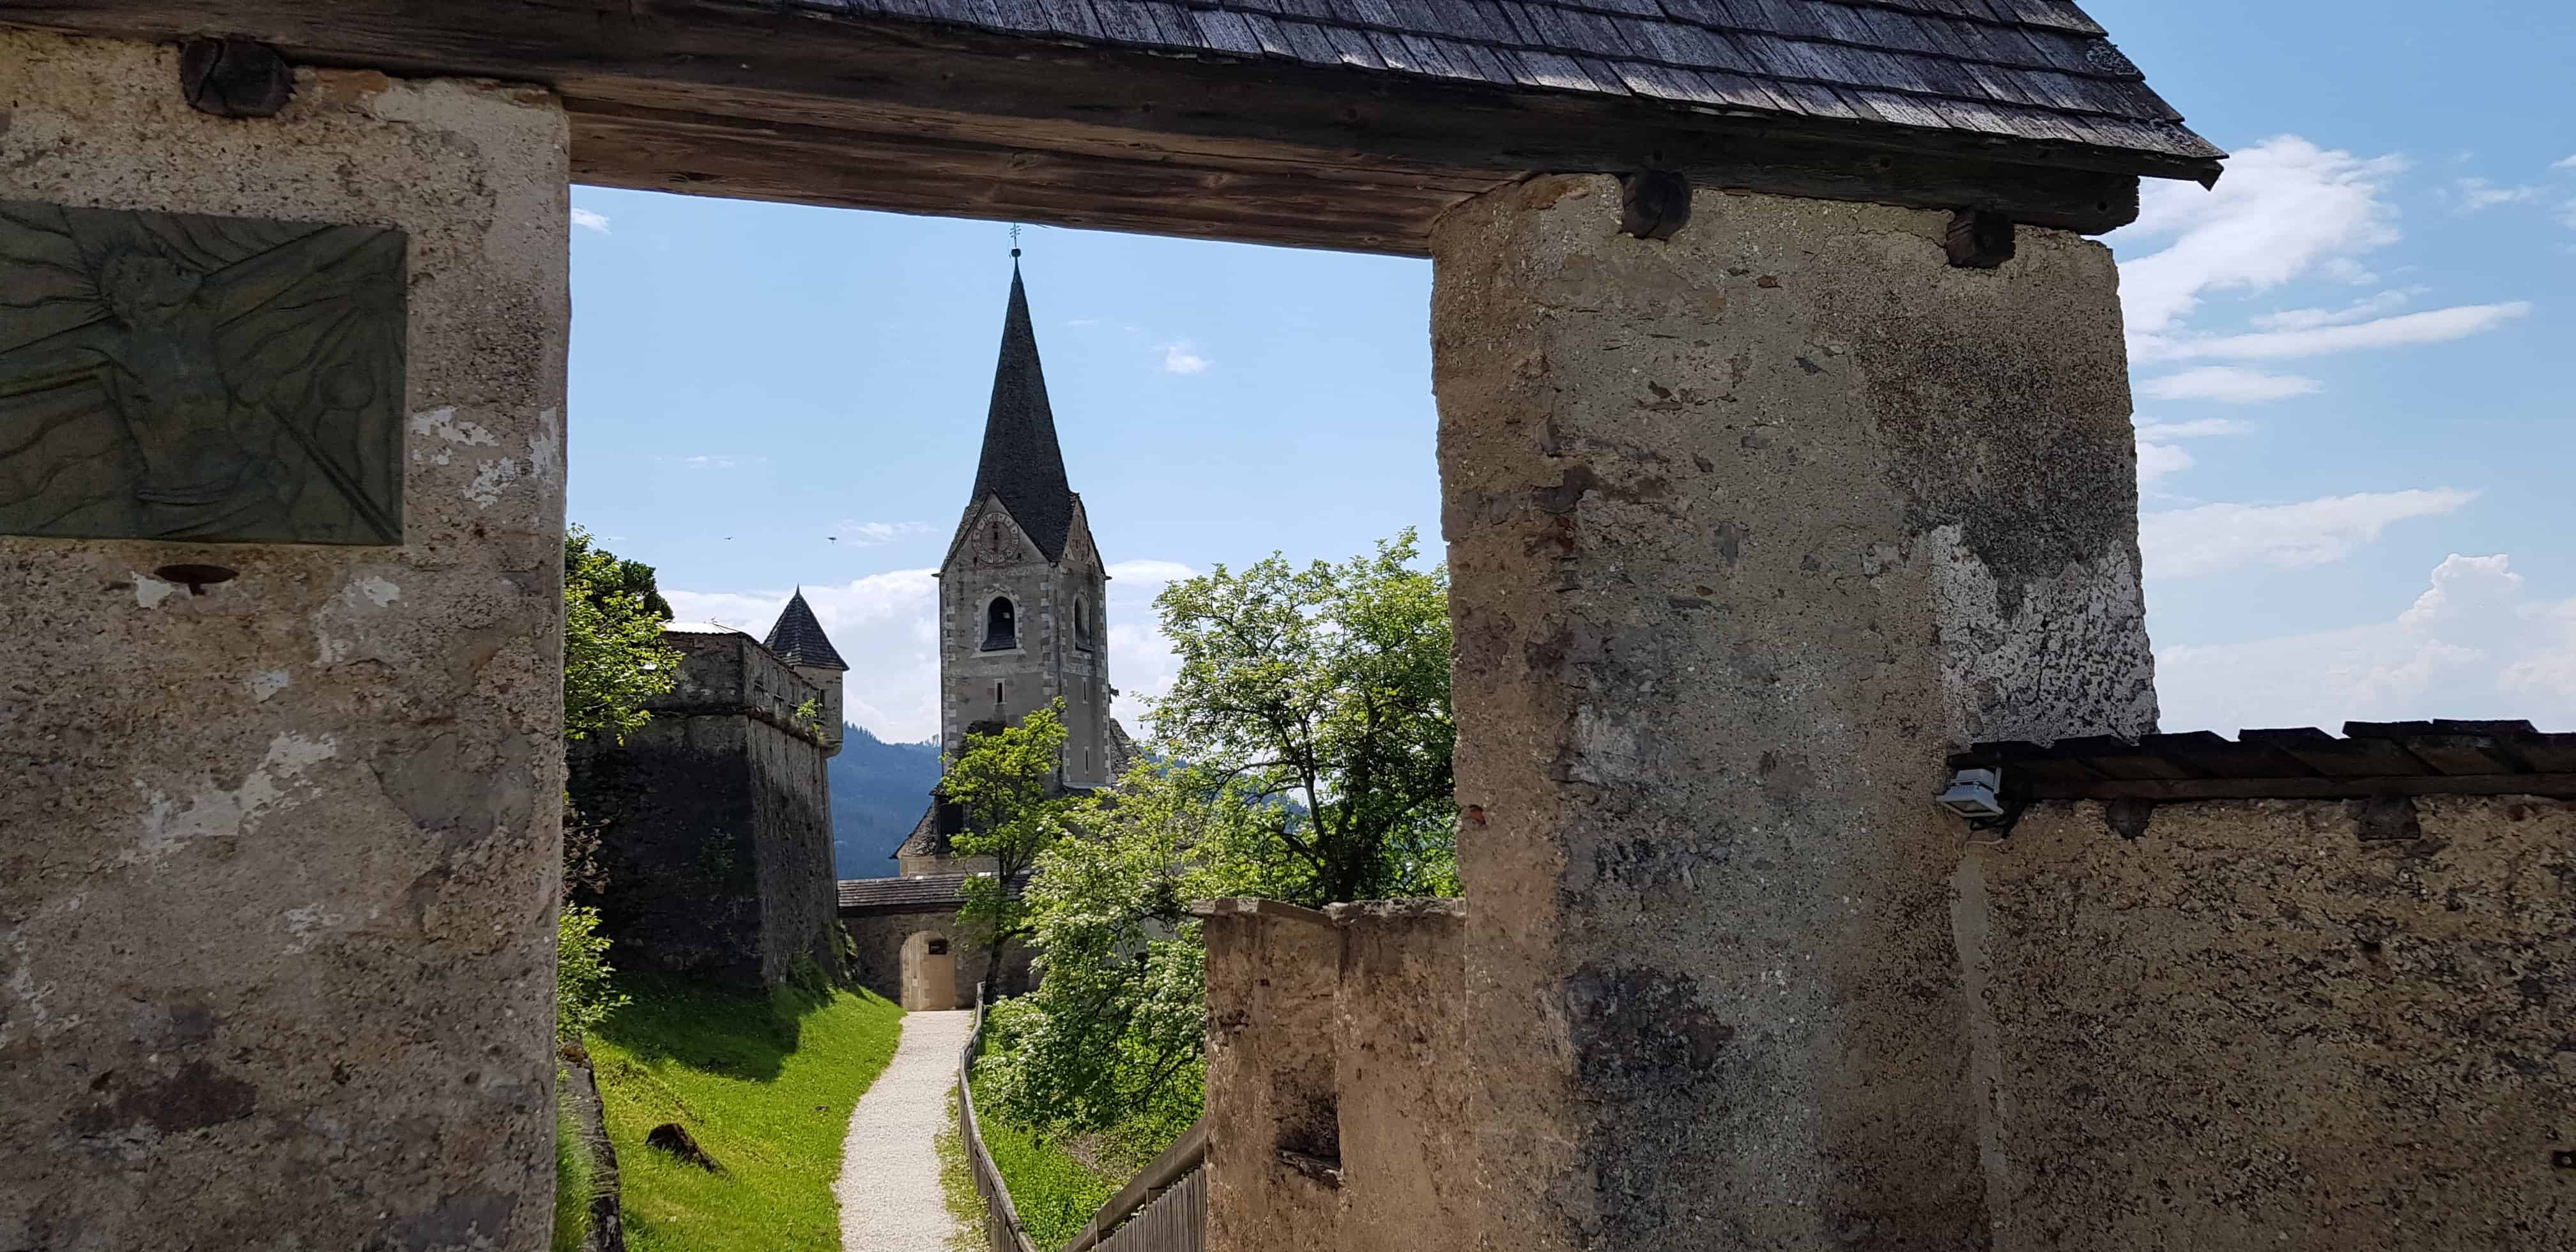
(1022, 462)
(798, 639)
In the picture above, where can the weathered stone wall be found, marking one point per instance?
(714, 822)
(1738, 524)
(1337, 1090)
(277, 889)
(2253, 1027)
(878, 963)
(1400, 1027)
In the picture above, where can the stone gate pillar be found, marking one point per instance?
(278, 817)
(1747, 529)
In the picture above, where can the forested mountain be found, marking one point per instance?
(878, 791)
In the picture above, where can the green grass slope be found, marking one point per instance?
(764, 1083)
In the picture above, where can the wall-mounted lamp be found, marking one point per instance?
(1977, 794)
(1972, 794)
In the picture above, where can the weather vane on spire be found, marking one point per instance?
(1015, 241)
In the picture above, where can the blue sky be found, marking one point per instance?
(2356, 431)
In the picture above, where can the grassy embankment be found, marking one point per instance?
(572, 1186)
(764, 1083)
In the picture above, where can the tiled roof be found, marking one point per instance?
(2027, 70)
(798, 639)
(916, 893)
(2371, 759)
(1022, 462)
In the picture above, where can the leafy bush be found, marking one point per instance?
(584, 992)
(1054, 1193)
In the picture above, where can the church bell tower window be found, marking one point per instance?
(1001, 627)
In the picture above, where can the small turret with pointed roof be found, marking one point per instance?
(798, 639)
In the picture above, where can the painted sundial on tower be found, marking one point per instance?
(182, 376)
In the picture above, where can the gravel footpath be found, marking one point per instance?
(889, 1189)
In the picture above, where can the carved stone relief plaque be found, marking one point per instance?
(179, 376)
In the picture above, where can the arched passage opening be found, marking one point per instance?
(930, 972)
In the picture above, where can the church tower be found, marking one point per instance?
(1023, 593)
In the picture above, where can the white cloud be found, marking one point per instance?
(2228, 384)
(1142, 667)
(588, 220)
(2362, 310)
(1084, 321)
(2432, 326)
(2211, 538)
(2568, 164)
(1151, 571)
(2472, 645)
(712, 462)
(2155, 460)
(2286, 208)
(870, 534)
(2197, 428)
(1180, 357)
(2474, 194)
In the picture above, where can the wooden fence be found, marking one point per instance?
(1162, 1209)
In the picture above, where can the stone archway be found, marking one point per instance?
(930, 972)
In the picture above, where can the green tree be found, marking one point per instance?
(1112, 1036)
(1007, 782)
(614, 658)
(1325, 693)
(614, 661)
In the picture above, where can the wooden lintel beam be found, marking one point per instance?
(759, 64)
(652, 151)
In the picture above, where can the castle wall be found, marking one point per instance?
(2256, 1026)
(1337, 1094)
(2310, 1025)
(714, 822)
(278, 877)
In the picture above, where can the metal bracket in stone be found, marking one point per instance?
(1979, 239)
(235, 77)
(1653, 204)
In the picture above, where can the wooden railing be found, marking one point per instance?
(1002, 1229)
(1162, 1209)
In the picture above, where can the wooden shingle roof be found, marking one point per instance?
(1347, 124)
(2034, 71)
(2370, 759)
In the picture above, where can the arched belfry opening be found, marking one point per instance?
(1001, 625)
